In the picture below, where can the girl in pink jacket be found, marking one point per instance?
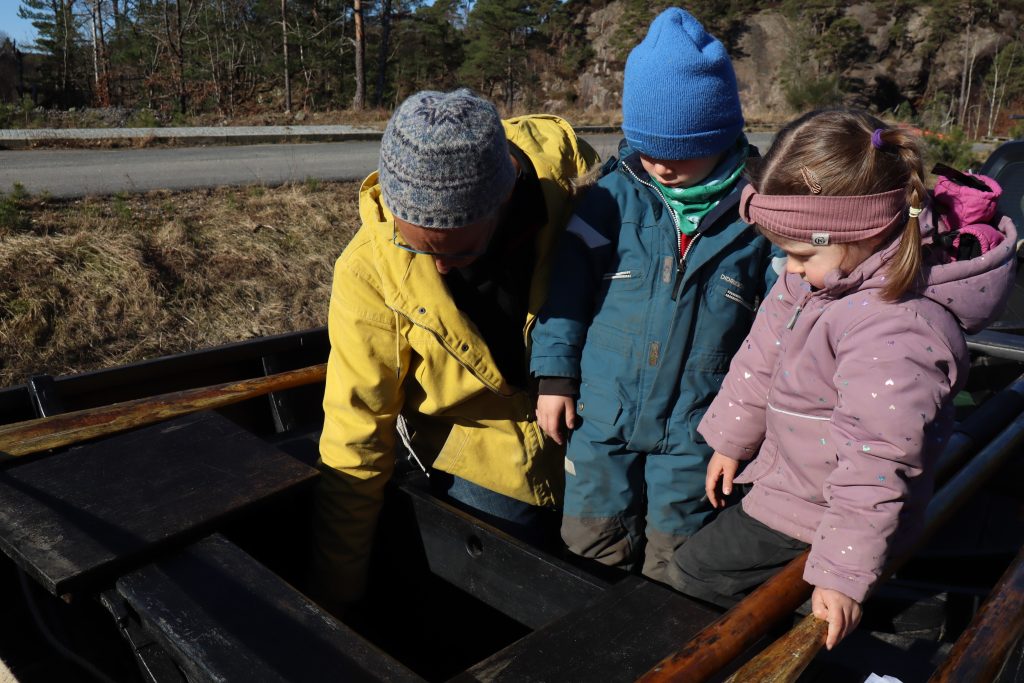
(842, 395)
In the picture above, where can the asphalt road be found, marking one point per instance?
(79, 172)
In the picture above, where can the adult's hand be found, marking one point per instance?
(555, 413)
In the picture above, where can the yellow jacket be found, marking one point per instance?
(400, 345)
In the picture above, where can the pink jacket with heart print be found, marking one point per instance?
(846, 400)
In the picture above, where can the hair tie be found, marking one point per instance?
(876, 138)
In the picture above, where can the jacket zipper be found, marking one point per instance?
(736, 298)
(796, 313)
(681, 264)
(621, 275)
(681, 268)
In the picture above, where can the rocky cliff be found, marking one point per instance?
(924, 60)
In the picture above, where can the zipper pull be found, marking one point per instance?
(677, 288)
(796, 314)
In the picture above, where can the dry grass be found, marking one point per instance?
(111, 280)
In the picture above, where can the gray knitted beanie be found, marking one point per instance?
(444, 160)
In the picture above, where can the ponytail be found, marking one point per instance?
(903, 272)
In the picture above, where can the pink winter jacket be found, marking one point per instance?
(846, 401)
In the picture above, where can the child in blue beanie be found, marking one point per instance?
(654, 288)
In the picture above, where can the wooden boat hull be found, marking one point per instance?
(178, 551)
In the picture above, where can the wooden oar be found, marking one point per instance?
(980, 427)
(786, 658)
(727, 637)
(803, 642)
(33, 436)
(724, 639)
(982, 649)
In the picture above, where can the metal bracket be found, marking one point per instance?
(42, 390)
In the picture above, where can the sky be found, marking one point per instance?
(18, 29)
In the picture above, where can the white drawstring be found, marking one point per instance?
(402, 427)
(401, 424)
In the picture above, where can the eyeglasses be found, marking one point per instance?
(436, 254)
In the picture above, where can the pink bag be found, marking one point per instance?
(965, 205)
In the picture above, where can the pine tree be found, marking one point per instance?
(58, 39)
(428, 49)
(501, 34)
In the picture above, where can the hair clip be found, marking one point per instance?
(876, 138)
(808, 177)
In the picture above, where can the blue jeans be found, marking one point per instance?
(533, 524)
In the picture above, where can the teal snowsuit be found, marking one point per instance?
(649, 336)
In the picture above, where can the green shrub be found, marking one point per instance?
(1017, 130)
(951, 148)
(802, 95)
(143, 118)
(7, 116)
(17, 114)
(122, 209)
(903, 112)
(12, 210)
(18, 192)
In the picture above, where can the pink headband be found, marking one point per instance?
(821, 220)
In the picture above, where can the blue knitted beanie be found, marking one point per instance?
(444, 160)
(679, 95)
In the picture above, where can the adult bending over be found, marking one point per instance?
(431, 310)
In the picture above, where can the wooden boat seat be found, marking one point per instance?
(223, 616)
(616, 637)
(78, 518)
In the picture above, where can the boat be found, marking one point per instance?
(175, 547)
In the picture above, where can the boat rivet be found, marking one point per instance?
(474, 546)
(465, 347)
(422, 310)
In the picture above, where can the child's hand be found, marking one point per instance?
(840, 611)
(720, 466)
(555, 411)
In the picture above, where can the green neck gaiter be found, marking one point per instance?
(693, 203)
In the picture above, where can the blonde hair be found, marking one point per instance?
(830, 152)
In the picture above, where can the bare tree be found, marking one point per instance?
(175, 29)
(100, 60)
(999, 89)
(359, 43)
(284, 47)
(967, 75)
